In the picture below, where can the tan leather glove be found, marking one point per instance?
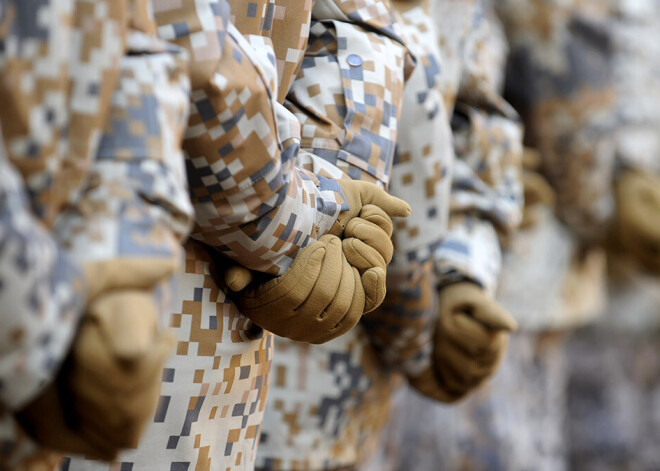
(319, 297)
(471, 337)
(638, 220)
(366, 231)
(107, 390)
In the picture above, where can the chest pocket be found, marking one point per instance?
(347, 96)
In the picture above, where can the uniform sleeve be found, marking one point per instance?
(486, 194)
(252, 203)
(41, 294)
(135, 202)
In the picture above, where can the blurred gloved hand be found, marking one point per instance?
(471, 338)
(319, 297)
(107, 390)
(638, 219)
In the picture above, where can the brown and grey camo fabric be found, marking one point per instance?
(99, 174)
(328, 403)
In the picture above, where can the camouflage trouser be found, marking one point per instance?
(514, 423)
(614, 401)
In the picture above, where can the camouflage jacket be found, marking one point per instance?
(259, 196)
(93, 172)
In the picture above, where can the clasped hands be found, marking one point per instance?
(332, 281)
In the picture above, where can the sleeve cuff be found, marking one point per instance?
(472, 250)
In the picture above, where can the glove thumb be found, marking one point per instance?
(392, 205)
(494, 316)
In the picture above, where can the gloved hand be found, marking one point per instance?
(638, 220)
(107, 389)
(319, 297)
(368, 248)
(471, 337)
(366, 231)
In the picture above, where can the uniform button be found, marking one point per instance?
(354, 60)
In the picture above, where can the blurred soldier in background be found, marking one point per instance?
(584, 75)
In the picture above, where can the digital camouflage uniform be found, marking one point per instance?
(91, 172)
(329, 402)
(254, 203)
(586, 109)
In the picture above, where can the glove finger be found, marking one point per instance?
(348, 304)
(373, 282)
(290, 289)
(46, 422)
(494, 316)
(470, 335)
(125, 416)
(372, 235)
(462, 363)
(362, 256)
(458, 371)
(352, 316)
(110, 375)
(106, 446)
(127, 412)
(374, 214)
(237, 278)
(537, 190)
(327, 283)
(392, 205)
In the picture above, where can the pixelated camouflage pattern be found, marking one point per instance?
(41, 293)
(253, 204)
(105, 182)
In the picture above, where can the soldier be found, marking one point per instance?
(258, 207)
(329, 402)
(94, 207)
